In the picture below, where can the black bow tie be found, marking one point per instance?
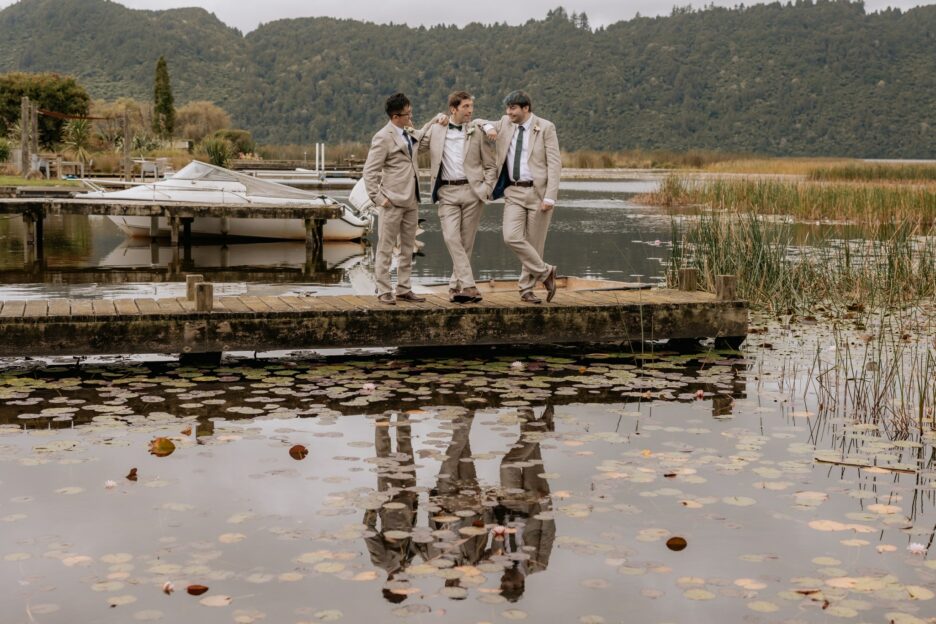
(454, 127)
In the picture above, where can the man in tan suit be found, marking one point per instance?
(527, 155)
(390, 178)
(463, 176)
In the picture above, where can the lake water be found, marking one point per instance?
(561, 485)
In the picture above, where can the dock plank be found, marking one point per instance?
(36, 308)
(276, 304)
(81, 307)
(169, 306)
(234, 304)
(254, 304)
(13, 309)
(59, 307)
(148, 307)
(126, 307)
(103, 307)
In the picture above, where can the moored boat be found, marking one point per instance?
(200, 182)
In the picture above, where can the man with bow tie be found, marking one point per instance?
(463, 176)
(527, 154)
(390, 178)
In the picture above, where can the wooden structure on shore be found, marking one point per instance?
(180, 215)
(202, 323)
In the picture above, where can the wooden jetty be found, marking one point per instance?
(180, 215)
(201, 323)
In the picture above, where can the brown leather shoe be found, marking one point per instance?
(386, 298)
(411, 297)
(530, 297)
(550, 284)
(473, 294)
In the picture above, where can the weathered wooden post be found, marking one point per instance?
(127, 162)
(191, 281)
(726, 287)
(29, 223)
(154, 226)
(225, 226)
(204, 296)
(25, 160)
(689, 279)
(186, 231)
(174, 229)
(34, 129)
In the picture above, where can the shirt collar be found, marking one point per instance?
(526, 125)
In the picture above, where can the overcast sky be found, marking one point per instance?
(247, 14)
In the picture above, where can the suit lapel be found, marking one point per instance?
(534, 133)
(504, 138)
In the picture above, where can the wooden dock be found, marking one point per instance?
(82, 327)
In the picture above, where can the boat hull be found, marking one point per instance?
(279, 229)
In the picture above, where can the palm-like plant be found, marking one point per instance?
(78, 137)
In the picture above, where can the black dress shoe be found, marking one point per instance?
(550, 284)
(529, 297)
(386, 298)
(473, 294)
(411, 297)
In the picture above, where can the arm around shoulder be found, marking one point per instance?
(553, 162)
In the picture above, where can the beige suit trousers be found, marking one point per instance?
(395, 222)
(525, 228)
(460, 213)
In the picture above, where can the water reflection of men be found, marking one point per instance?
(523, 501)
(396, 477)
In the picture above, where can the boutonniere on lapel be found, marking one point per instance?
(409, 130)
(470, 131)
(536, 129)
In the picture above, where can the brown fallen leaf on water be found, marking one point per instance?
(161, 447)
(187, 431)
(676, 543)
(132, 475)
(196, 590)
(298, 452)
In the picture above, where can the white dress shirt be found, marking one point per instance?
(525, 175)
(453, 155)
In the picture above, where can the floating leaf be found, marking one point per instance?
(161, 447)
(132, 475)
(216, 601)
(676, 543)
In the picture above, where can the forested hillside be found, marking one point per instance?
(803, 78)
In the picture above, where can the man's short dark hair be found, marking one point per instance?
(396, 104)
(455, 99)
(518, 98)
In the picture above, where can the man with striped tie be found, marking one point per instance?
(527, 155)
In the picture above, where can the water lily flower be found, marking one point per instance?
(168, 588)
(916, 548)
(699, 394)
(110, 485)
(516, 365)
(368, 387)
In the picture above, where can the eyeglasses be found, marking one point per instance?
(409, 114)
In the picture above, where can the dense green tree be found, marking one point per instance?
(164, 113)
(52, 92)
(815, 77)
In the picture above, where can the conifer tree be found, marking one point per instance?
(163, 109)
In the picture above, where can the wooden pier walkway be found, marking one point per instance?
(180, 215)
(81, 327)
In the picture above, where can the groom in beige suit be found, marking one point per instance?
(527, 155)
(390, 178)
(463, 177)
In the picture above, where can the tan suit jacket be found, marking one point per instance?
(545, 161)
(390, 171)
(478, 158)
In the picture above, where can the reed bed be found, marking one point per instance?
(890, 267)
(643, 159)
(885, 378)
(875, 172)
(862, 203)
